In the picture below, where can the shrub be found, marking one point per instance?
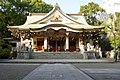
(105, 45)
(5, 53)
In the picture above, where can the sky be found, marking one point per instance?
(71, 6)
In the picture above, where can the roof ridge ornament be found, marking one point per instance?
(56, 5)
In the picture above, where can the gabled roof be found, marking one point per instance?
(44, 20)
(43, 17)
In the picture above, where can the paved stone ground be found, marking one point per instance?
(103, 74)
(97, 65)
(15, 71)
(57, 72)
(98, 71)
(101, 71)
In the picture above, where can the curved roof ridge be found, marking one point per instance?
(53, 10)
(69, 17)
(56, 7)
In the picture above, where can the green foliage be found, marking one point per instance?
(111, 16)
(117, 14)
(117, 24)
(14, 12)
(117, 34)
(38, 6)
(5, 50)
(5, 53)
(90, 11)
(117, 39)
(106, 45)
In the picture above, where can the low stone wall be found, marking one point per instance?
(89, 55)
(23, 55)
(57, 55)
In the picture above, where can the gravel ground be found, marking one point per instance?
(15, 71)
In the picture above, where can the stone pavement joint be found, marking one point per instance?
(56, 61)
(57, 72)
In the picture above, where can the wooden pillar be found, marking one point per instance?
(79, 43)
(67, 42)
(45, 43)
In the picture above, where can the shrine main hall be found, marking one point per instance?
(56, 31)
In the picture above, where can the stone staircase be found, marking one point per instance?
(57, 55)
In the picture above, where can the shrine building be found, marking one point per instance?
(56, 31)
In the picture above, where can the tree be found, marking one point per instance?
(117, 41)
(117, 29)
(38, 6)
(13, 12)
(117, 23)
(90, 11)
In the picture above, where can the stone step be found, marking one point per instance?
(57, 55)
